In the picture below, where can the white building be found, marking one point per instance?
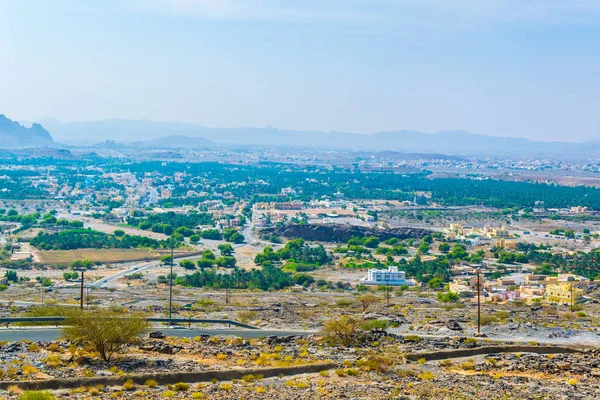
(391, 277)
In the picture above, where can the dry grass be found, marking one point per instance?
(99, 255)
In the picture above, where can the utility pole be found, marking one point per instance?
(43, 295)
(571, 296)
(388, 290)
(171, 280)
(81, 297)
(226, 292)
(478, 301)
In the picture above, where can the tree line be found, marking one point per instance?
(87, 238)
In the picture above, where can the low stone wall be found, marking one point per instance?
(164, 378)
(476, 351)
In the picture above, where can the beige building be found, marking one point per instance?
(459, 286)
(493, 232)
(579, 210)
(563, 293)
(535, 279)
(506, 244)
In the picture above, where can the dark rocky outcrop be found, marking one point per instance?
(13, 134)
(342, 233)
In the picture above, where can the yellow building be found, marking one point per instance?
(506, 244)
(561, 293)
(495, 232)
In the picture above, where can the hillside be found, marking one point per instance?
(13, 134)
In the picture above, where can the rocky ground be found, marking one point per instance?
(372, 368)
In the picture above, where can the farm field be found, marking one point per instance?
(98, 255)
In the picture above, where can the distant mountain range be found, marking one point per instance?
(175, 134)
(177, 142)
(13, 134)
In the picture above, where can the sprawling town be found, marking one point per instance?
(359, 265)
(299, 200)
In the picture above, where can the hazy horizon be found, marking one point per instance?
(502, 68)
(28, 123)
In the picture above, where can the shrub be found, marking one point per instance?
(181, 387)
(405, 373)
(252, 378)
(467, 365)
(448, 297)
(488, 319)
(342, 331)
(106, 330)
(245, 316)
(343, 303)
(128, 385)
(30, 370)
(151, 383)
(371, 324)
(426, 376)
(376, 362)
(503, 315)
(187, 264)
(367, 301)
(37, 395)
(168, 393)
(53, 360)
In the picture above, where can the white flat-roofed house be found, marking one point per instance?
(390, 277)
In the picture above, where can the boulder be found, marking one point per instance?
(453, 326)
(156, 335)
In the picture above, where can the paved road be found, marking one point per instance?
(110, 281)
(49, 334)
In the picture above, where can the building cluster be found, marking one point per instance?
(480, 235)
(458, 231)
(323, 210)
(561, 289)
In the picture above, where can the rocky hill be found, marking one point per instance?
(342, 233)
(13, 134)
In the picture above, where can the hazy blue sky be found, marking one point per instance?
(526, 68)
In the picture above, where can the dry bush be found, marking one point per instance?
(107, 331)
(36, 395)
(368, 300)
(375, 362)
(245, 316)
(341, 331)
